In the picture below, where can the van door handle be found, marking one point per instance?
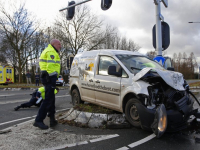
(97, 81)
(91, 80)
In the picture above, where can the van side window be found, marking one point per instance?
(124, 74)
(104, 63)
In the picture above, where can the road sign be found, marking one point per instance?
(160, 60)
(165, 35)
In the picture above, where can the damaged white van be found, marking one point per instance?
(151, 97)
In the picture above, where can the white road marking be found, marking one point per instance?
(29, 117)
(83, 142)
(123, 148)
(148, 138)
(17, 101)
(104, 138)
(15, 120)
(7, 95)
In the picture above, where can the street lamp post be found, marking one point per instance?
(198, 65)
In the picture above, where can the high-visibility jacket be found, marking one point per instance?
(41, 92)
(50, 61)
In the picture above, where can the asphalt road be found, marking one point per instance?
(132, 138)
(10, 99)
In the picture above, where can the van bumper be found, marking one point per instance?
(176, 120)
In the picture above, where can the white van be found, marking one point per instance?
(150, 96)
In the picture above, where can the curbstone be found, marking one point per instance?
(73, 115)
(96, 120)
(83, 117)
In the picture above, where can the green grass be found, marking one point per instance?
(23, 85)
(92, 108)
(194, 84)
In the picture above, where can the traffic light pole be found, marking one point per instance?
(158, 29)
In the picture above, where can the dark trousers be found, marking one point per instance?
(30, 103)
(36, 82)
(48, 104)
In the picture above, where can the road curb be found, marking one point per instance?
(94, 120)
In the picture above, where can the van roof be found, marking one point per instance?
(113, 52)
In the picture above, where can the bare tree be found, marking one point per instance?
(17, 31)
(82, 31)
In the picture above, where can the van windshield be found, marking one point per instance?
(136, 63)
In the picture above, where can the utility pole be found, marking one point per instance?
(158, 27)
(159, 18)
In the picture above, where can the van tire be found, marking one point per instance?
(76, 99)
(131, 113)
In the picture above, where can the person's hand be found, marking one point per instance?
(37, 97)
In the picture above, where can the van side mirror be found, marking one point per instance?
(112, 71)
(170, 68)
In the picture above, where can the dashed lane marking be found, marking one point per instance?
(148, 138)
(17, 101)
(29, 117)
(123, 148)
(106, 137)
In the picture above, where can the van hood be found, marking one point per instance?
(173, 79)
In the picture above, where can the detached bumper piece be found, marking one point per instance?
(176, 119)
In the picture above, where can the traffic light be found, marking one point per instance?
(165, 35)
(105, 4)
(70, 11)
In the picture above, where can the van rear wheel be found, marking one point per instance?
(131, 113)
(76, 99)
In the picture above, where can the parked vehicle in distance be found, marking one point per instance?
(6, 74)
(151, 97)
(60, 81)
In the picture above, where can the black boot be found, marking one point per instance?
(40, 125)
(53, 122)
(16, 108)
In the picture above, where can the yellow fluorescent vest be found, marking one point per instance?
(50, 61)
(42, 92)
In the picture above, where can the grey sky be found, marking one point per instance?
(136, 18)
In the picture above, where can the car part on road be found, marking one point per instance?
(160, 121)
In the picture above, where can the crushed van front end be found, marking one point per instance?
(168, 105)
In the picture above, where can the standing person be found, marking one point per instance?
(37, 78)
(28, 77)
(37, 97)
(50, 70)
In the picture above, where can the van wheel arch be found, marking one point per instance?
(126, 98)
(76, 98)
(131, 112)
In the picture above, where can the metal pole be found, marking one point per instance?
(158, 30)
(75, 5)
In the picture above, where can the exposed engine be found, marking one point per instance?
(162, 93)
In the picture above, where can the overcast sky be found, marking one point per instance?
(136, 18)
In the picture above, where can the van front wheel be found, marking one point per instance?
(76, 99)
(131, 113)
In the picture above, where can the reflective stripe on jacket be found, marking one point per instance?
(50, 61)
(41, 92)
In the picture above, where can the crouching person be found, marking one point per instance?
(37, 97)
